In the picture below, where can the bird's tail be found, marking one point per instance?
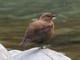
(25, 42)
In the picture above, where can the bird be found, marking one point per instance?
(40, 31)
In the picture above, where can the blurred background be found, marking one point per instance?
(15, 15)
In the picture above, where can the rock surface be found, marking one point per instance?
(31, 54)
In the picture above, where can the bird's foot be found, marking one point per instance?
(43, 47)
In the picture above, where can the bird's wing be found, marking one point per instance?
(37, 27)
(36, 32)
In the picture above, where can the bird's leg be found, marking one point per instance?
(43, 47)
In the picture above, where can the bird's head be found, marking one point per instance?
(47, 16)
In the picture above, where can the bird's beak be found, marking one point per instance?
(54, 17)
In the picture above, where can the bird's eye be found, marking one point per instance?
(48, 16)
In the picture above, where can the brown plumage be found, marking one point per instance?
(40, 31)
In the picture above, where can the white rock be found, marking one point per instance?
(31, 54)
(4, 55)
(14, 52)
(40, 54)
